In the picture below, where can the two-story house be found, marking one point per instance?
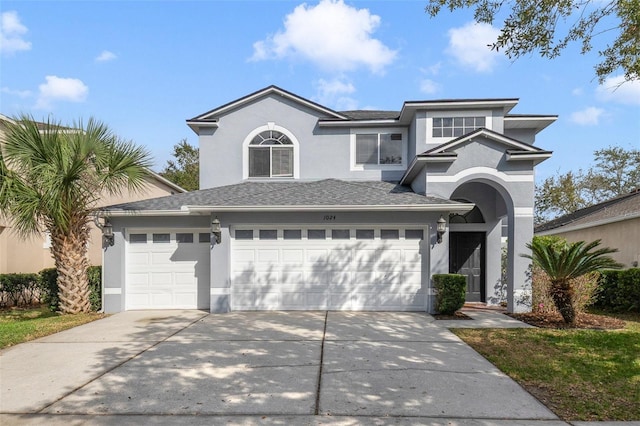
(303, 207)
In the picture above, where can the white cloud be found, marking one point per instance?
(469, 46)
(106, 56)
(429, 87)
(11, 32)
(334, 87)
(616, 89)
(332, 93)
(589, 116)
(432, 69)
(61, 89)
(332, 35)
(18, 93)
(578, 91)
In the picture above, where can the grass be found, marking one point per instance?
(581, 375)
(22, 325)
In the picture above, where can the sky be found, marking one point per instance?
(144, 67)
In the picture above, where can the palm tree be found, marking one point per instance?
(562, 262)
(51, 178)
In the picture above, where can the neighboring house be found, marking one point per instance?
(616, 222)
(20, 255)
(320, 209)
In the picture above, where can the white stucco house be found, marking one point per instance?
(304, 208)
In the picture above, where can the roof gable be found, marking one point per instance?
(511, 143)
(211, 117)
(515, 151)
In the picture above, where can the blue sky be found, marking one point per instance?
(144, 67)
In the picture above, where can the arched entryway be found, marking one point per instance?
(475, 241)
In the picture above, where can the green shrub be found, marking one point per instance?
(450, 292)
(49, 279)
(95, 285)
(19, 290)
(619, 290)
(49, 284)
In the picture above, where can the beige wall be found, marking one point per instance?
(19, 255)
(623, 235)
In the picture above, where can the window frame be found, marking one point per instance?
(379, 131)
(270, 126)
(488, 121)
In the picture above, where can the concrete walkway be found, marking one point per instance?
(335, 368)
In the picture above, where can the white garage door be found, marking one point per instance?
(164, 268)
(336, 269)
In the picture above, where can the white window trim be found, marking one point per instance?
(266, 127)
(488, 121)
(378, 130)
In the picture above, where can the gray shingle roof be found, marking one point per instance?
(371, 115)
(624, 205)
(327, 192)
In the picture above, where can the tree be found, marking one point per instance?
(52, 178)
(534, 26)
(563, 262)
(185, 170)
(616, 172)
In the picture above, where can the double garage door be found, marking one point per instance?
(281, 269)
(167, 269)
(336, 269)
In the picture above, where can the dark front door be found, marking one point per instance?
(466, 257)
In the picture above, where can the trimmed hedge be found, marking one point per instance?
(20, 290)
(451, 291)
(29, 289)
(619, 290)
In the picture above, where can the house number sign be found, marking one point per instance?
(329, 217)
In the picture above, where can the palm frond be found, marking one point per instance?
(566, 261)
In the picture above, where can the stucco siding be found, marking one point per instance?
(323, 152)
(623, 235)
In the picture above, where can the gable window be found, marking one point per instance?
(271, 155)
(447, 127)
(379, 149)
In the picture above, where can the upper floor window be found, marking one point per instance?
(270, 153)
(447, 127)
(378, 148)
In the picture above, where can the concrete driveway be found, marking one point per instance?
(259, 368)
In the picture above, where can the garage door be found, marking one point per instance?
(336, 269)
(165, 268)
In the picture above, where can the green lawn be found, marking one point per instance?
(21, 325)
(579, 374)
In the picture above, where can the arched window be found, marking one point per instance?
(271, 155)
(271, 152)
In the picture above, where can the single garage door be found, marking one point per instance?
(165, 268)
(336, 269)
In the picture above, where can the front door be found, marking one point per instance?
(466, 257)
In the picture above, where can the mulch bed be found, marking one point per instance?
(456, 316)
(583, 321)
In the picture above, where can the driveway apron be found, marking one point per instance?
(404, 364)
(371, 364)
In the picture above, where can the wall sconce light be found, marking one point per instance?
(441, 228)
(107, 230)
(107, 234)
(216, 231)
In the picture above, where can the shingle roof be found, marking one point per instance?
(327, 192)
(371, 115)
(622, 206)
